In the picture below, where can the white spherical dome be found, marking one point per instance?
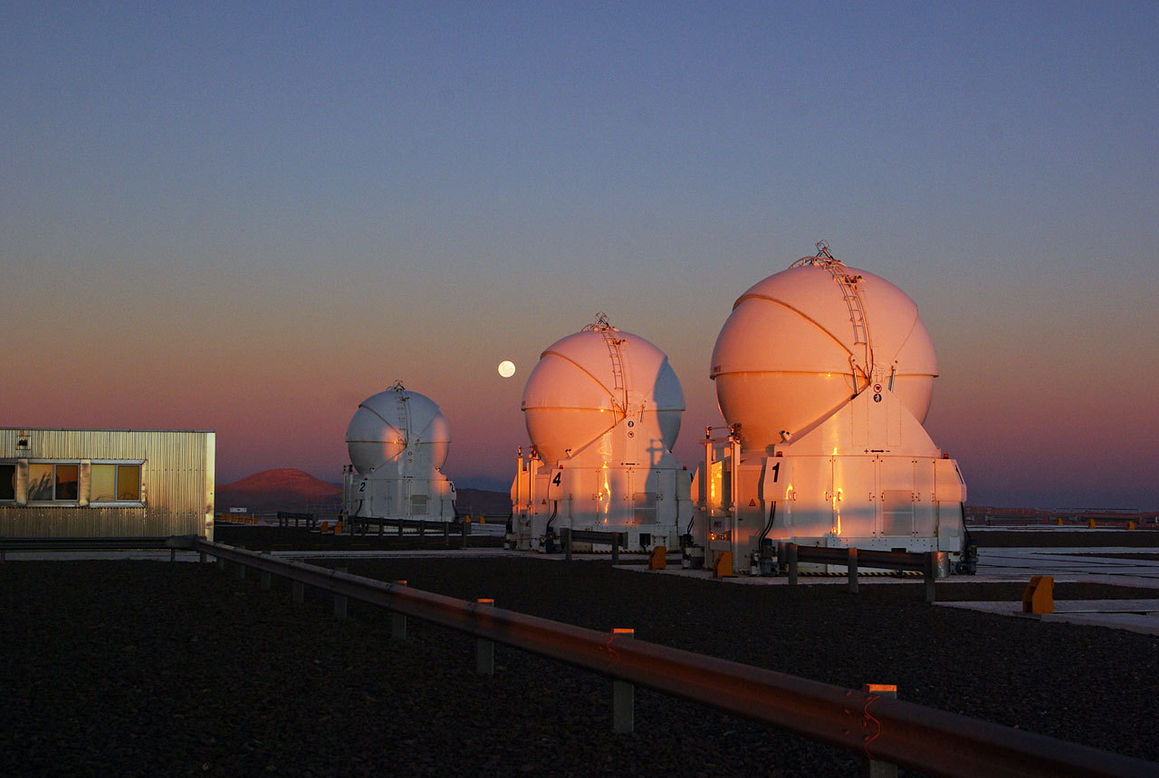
(387, 423)
(801, 343)
(586, 383)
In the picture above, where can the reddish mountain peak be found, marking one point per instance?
(286, 479)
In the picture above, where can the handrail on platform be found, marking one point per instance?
(928, 563)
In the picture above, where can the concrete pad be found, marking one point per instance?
(1134, 615)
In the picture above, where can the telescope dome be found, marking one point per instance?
(588, 382)
(803, 342)
(388, 423)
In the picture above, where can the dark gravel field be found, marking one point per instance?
(133, 668)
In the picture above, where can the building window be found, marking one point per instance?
(39, 482)
(48, 482)
(109, 483)
(66, 482)
(7, 482)
(103, 483)
(129, 482)
(71, 482)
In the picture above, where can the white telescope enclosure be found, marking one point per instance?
(824, 374)
(398, 441)
(603, 410)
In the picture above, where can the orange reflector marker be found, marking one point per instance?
(722, 568)
(1038, 597)
(883, 689)
(659, 558)
(623, 631)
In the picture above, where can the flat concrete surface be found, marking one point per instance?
(1134, 615)
(1004, 565)
(1021, 563)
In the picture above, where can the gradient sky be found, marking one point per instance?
(248, 217)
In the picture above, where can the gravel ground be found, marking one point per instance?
(133, 668)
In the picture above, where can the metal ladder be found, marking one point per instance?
(848, 285)
(403, 408)
(619, 385)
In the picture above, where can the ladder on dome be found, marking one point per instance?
(613, 343)
(848, 285)
(404, 418)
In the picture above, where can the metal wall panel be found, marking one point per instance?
(177, 483)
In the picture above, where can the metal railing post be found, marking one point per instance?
(340, 601)
(852, 567)
(485, 649)
(398, 621)
(565, 532)
(791, 553)
(930, 574)
(265, 580)
(623, 696)
(616, 548)
(879, 769)
(299, 592)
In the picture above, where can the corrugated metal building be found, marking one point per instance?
(106, 483)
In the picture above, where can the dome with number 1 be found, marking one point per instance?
(801, 343)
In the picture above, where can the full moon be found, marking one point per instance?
(506, 368)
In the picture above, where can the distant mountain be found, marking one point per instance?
(285, 489)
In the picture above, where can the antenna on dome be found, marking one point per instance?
(823, 257)
(600, 324)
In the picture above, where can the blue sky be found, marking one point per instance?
(249, 216)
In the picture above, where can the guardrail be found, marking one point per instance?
(927, 563)
(173, 543)
(875, 726)
(878, 727)
(568, 537)
(285, 517)
(446, 529)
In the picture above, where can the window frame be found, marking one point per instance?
(83, 496)
(51, 464)
(118, 503)
(12, 499)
